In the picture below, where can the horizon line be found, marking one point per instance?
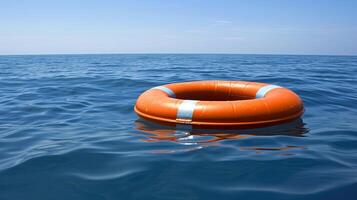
(176, 53)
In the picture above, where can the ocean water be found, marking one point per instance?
(68, 130)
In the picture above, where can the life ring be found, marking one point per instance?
(219, 104)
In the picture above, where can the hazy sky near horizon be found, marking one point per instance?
(178, 26)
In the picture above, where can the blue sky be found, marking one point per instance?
(178, 26)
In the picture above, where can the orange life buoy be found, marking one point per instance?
(219, 104)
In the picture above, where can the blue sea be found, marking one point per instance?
(68, 130)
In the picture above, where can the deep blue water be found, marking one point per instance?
(68, 130)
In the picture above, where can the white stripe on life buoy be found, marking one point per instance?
(166, 90)
(264, 90)
(185, 110)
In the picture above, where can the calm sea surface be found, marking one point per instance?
(68, 130)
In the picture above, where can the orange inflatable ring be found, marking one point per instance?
(219, 104)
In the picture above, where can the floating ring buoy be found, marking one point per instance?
(219, 104)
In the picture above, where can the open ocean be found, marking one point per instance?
(68, 130)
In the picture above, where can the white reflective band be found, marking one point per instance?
(166, 90)
(262, 91)
(185, 110)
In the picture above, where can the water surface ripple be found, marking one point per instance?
(68, 130)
